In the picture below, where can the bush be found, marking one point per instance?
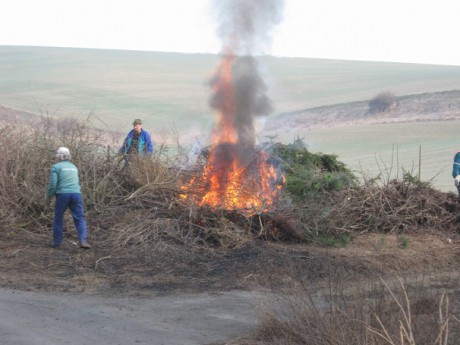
(382, 102)
(308, 173)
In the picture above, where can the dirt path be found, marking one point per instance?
(74, 297)
(41, 318)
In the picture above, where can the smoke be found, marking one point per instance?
(248, 99)
(245, 28)
(237, 175)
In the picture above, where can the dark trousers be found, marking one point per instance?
(72, 201)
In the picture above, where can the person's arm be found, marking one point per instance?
(52, 183)
(456, 166)
(149, 145)
(124, 148)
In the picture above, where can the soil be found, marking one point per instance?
(176, 297)
(28, 263)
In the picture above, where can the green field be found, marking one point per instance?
(114, 86)
(170, 92)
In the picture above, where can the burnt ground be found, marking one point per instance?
(28, 263)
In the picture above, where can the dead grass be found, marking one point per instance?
(410, 310)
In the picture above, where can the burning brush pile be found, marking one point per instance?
(238, 176)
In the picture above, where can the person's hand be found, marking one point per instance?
(457, 180)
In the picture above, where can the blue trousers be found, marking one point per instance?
(72, 201)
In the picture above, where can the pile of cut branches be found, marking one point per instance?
(137, 203)
(397, 207)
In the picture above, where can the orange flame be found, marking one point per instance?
(227, 181)
(225, 131)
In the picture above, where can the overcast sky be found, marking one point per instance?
(416, 31)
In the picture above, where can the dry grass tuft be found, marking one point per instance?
(390, 312)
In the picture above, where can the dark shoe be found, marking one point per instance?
(54, 245)
(85, 245)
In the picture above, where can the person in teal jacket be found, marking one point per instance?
(456, 171)
(65, 185)
(137, 141)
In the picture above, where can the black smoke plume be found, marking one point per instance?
(245, 28)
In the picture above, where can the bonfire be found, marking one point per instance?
(237, 175)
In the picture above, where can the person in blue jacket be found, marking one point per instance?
(456, 171)
(137, 141)
(65, 185)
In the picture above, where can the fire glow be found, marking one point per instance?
(237, 176)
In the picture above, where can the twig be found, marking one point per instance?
(98, 260)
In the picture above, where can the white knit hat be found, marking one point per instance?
(63, 151)
(63, 154)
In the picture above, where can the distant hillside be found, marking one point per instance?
(12, 115)
(437, 106)
(170, 90)
(370, 144)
